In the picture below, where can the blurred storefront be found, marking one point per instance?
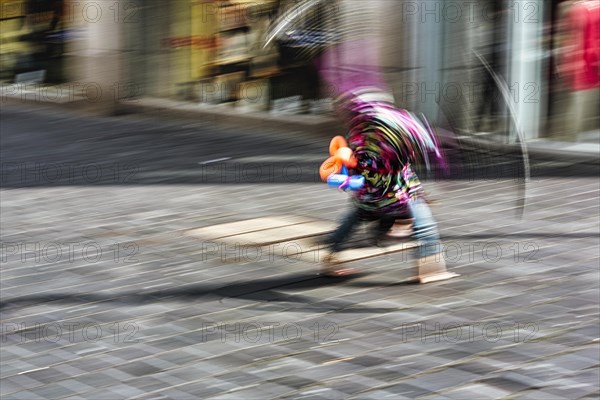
(32, 37)
(486, 67)
(212, 52)
(489, 67)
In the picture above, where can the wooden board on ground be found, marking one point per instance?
(290, 237)
(368, 252)
(282, 234)
(306, 250)
(246, 226)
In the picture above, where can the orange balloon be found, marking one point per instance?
(330, 166)
(336, 143)
(347, 156)
(352, 162)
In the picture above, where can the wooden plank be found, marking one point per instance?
(246, 226)
(283, 233)
(307, 250)
(291, 237)
(368, 252)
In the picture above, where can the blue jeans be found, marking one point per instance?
(424, 227)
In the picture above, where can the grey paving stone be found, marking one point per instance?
(139, 369)
(238, 377)
(570, 340)
(321, 393)
(26, 395)
(53, 391)
(250, 393)
(574, 362)
(295, 382)
(523, 379)
(74, 385)
(572, 392)
(98, 380)
(368, 361)
(590, 352)
(510, 357)
(379, 394)
(447, 378)
(481, 366)
(388, 374)
(174, 394)
(451, 354)
(348, 387)
(7, 387)
(124, 391)
(23, 382)
(89, 364)
(537, 395)
(407, 390)
(512, 382)
(476, 391)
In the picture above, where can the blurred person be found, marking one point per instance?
(493, 48)
(579, 62)
(385, 140)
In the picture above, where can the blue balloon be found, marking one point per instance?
(344, 182)
(336, 180)
(356, 182)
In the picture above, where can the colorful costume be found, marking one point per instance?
(386, 141)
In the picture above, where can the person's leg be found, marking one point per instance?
(585, 111)
(430, 263)
(424, 228)
(401, 228)
(338, 237)
(392, 227)
(384, 224)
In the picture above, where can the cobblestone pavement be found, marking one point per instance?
(105, 297)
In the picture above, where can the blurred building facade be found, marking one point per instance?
(476, 66)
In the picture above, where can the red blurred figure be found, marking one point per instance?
(581, 58)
